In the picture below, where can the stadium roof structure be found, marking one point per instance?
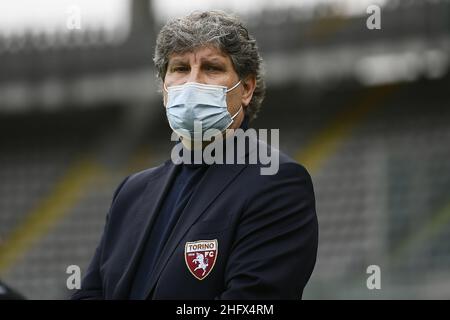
(316, 43)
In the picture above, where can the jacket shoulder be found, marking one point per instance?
(283, 164)
(136, 182)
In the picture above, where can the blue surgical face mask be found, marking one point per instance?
(198, 102)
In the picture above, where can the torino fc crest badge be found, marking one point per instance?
(200, 257)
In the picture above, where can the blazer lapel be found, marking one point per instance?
(150, 203)
(215, 180)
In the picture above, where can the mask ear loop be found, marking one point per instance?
(230, 131)
(234, 116)
(234, 87)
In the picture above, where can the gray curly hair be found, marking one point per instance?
(222, 30)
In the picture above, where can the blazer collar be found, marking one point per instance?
(150, 202)
(211, 185)
(216, 178)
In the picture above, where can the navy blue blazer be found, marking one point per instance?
(258, 236)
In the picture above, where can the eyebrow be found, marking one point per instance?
(181, 60)
(177, 60)
(213, 59)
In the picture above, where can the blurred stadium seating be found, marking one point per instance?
(366, 111)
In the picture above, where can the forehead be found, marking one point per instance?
(199, 54)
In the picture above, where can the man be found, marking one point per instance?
(208, 231)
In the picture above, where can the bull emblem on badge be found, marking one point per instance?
(200, 257)
(201, 263)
